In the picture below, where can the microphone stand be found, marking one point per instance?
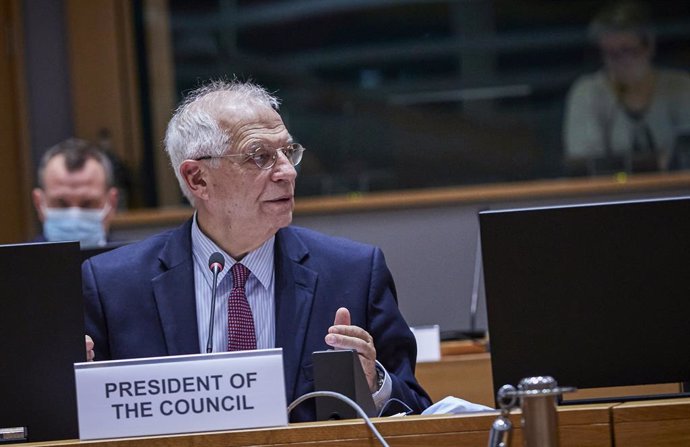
(209, 343)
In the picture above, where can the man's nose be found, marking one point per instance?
(283, 168)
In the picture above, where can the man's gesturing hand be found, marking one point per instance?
(343, 335)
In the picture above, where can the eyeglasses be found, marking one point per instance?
(266, 158)
(621, 53)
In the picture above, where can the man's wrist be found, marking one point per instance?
(380, 377)
(385, 388)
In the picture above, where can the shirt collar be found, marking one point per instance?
(259, 262)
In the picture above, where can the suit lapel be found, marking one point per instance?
(294, 292)
(174, 293)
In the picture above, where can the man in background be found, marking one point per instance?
(282, 286)
(76, 197)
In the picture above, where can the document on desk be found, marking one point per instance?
(181, 394)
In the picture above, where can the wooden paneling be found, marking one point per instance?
(620, 391)
(16, 179)
(439, 196)
(105, 88)
(589, 428)
(497, 192)
(465, 376)
(162, 96)
(652, 423)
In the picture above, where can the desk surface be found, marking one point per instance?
(465, 371)
(658, 423)
(663, 423)
(582, 427)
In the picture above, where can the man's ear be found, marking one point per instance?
(111, 199)
(37, 199)
(112, 196)
(192, 172)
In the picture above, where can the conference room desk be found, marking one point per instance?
(465, 371)
(579, 427)
(465, 376)
(663, 423)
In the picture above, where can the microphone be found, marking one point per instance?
(216, 263)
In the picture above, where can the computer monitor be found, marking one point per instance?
(41, 337)
(595, 295)
(89, 252)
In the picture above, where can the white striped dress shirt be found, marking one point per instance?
(259, 290)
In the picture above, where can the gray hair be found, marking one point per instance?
(625, 16)
(76, 152)
(193, 131)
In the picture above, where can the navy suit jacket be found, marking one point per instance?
(140, 302)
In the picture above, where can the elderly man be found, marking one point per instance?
(235, 162)
(76, 198)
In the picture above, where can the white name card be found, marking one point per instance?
(428, 343)
(181, 394)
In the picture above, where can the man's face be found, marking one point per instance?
(85, 188)
(626, 57)
(248, 200)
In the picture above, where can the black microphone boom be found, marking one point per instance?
(216, 263)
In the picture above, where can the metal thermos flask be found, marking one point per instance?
(539, 415)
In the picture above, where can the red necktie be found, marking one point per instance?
(241, 334)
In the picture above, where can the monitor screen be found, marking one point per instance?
(595, 295)
(41, 337)
(89, 252)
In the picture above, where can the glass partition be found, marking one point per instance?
(403, 94)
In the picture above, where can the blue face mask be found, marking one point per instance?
(75, 224)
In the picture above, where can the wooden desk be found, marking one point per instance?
(464, 371)
(649, 423)
(465, 376)
(662, 423)
(579, 427)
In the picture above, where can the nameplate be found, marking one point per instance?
(428, 340)
(180, 394)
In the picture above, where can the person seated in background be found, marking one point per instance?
(628, 115)
(288, 287)
(76, 197)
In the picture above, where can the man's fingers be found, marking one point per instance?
(89, 348)
(362, 343)
(351, 331)
(342, 317)
(346, 342)
(343, 335)
(89, 342)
